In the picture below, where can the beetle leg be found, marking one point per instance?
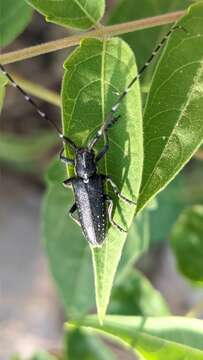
(65, 159)
(68, 141)
(71, 211)
(117, 192)
(68, 182)
(110, 211)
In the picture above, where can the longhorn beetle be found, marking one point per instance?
(88, 184)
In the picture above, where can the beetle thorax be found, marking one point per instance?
(85, 165)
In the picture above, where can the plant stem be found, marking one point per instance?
(38, 90)
(101, 32)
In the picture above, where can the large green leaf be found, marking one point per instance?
(142, 42)
(85, 345)
(155, 338)
(134, 295)
(93, 73)
(14, 17)
(187, 243)
(68, 253)
(81, 14)
(173, 127)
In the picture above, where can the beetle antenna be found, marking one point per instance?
(111, 119)
(29, 99)
(43, 115)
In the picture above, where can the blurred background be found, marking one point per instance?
(31, 314)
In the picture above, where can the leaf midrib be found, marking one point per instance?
(104, 45)
(93, 21)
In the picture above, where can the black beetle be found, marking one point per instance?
(88, 184)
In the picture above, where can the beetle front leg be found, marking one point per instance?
(65, 159)
(110, 214)
(71, 211)
(117, 192)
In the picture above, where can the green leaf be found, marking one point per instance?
(185, 190)
(93, 73)
(24, 153)
(134, 295)
(143, 42)
(68, 253)
(137, 243)
(81, 14)
(173, 127)
(155, 338)
(3, 82)
(14, 17)
(85, 345)
(42, 355)
(187, 243)
(65, 259)
(171, 202)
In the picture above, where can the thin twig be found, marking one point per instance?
(38, 90)
(104, 31)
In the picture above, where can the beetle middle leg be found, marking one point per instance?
(109, 200)
(117, 192)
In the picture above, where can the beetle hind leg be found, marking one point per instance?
(110, 214)
(118, 193)
(71, 212)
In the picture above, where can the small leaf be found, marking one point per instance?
(68, 253)
(93, 73)
(155, 338)
(81, 14)
(134, 295)
(14, 17)
(173, 127)
(85, 345)
(187, 243)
